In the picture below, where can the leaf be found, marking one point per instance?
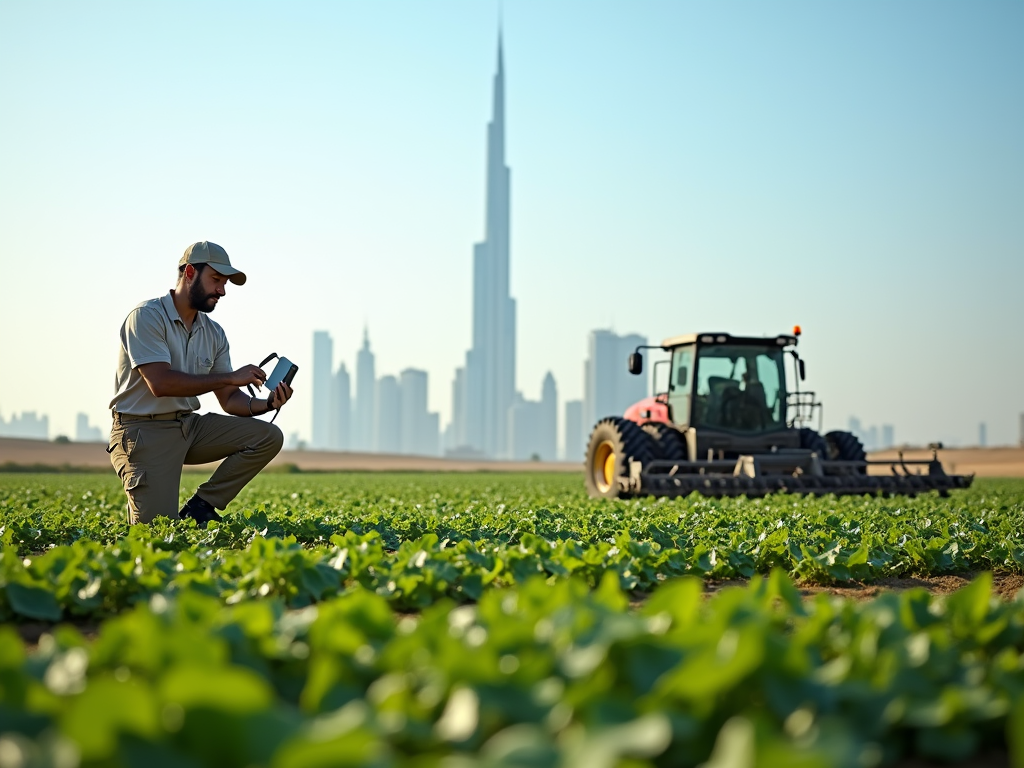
(33, 602)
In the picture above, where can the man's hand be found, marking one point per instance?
(248, 374)
(281, 395)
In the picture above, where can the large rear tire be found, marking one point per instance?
(845, 446)
(613, 444)
(812, 441)
(667, 441)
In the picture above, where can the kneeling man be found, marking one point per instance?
(171, 352)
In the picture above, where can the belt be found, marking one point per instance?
(172, 416)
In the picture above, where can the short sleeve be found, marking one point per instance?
(222, 360)
(145, 338)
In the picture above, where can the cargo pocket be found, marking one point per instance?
(134, 482)
(136, 479)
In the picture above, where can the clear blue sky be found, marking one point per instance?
(855, 167)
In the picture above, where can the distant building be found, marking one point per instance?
(341, 410)
(888, 439)
(548, 426)
(419, 429)
(387, 422)
(84, 433)
(533, 425)
(28, 426)
(432, 432)
(982, 435)
(869, 435)
(575, 438)
(488, 378)
(608, 387)
(524, 429)
(455, 432)
(871, 439)
(364, 417)
(323, 363)
(854, 428)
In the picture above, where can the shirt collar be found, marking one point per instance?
(167, 301)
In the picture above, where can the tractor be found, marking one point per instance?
(729, 424)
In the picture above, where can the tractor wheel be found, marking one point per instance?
(844, 446)
(668, 442)
(613, 443)
(812, 441)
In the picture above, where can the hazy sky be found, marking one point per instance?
(855, 167)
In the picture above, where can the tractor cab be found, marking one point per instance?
(726, 394)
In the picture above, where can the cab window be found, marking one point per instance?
(680, 384)
(739, 388)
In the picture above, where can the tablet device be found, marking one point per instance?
(285, 371)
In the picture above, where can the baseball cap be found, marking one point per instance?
(206, 252)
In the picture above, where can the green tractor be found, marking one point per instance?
(729, 424)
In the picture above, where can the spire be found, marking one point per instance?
(498, 107)
(501, 56)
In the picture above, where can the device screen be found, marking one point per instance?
(284, 371)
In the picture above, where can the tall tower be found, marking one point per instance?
(341, 407)
(363, 419)
(323, 362)
(490, 372)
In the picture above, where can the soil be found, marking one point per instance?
(981, 462)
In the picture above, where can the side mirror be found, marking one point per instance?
(636, 363)
(803, 370)
(682, 376)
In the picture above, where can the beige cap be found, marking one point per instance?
(206, 252)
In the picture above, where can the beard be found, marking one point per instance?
(201, 301)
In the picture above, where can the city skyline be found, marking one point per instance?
(853, 169)
(393, 419)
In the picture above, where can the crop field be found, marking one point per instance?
(507, 620)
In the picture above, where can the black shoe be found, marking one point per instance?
(199, 510)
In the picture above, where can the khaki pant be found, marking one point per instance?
(148, 456)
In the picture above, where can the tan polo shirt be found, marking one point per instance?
(154, 333)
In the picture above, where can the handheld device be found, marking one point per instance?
(284, 371)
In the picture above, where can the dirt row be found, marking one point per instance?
(981, 462)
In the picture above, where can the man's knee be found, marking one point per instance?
(276, 438)
(269, 439)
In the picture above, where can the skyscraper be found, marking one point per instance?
(574, 436)
(413, 430)
(608, 386)
(523, 433)
(84, 433)
(364, 417)
(548, 422)
(387, 431)
(490, 371)
(455, 433)
(323, 363)
(341, 410)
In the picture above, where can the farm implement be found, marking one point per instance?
(729, 424)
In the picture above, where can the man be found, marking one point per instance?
(172, 352)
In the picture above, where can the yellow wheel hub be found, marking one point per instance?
(603, 468)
